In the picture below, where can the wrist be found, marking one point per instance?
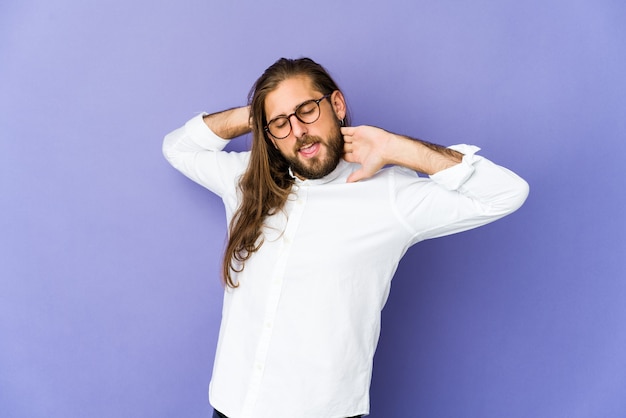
(398, 150)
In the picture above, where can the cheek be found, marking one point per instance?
(330, 126)
(284, 146)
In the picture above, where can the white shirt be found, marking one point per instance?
(298, 336)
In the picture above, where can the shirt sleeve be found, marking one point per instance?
(197, 152)
(470, 194)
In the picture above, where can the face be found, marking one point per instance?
(312, 150)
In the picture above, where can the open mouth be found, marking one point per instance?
(309, 150)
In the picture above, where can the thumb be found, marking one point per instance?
(356, 176)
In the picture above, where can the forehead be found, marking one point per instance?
(288, 95)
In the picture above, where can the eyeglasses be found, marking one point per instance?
(307, 112)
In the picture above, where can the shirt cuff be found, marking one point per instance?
(454, 177)
(202, 135)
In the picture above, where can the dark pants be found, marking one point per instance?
(218, 414)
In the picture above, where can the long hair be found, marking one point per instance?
(266, 183)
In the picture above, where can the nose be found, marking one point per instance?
(298, 128)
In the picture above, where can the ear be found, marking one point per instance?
(338, 103)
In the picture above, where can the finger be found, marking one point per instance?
(347, 130)
(349, 157)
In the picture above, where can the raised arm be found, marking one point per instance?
(465, 190)
(195, 149)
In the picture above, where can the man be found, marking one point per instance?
(319, 214)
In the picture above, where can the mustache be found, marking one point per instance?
(306, 140)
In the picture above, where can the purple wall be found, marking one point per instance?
(109, 297)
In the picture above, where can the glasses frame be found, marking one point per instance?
(266, 128)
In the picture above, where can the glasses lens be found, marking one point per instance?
(308, 112)
(279, 128)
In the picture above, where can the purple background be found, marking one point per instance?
(109, 297)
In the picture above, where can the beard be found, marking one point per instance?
(317, 167)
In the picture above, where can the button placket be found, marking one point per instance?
(276, 287)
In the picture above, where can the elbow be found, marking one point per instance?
(167, 148)
(515, 197)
